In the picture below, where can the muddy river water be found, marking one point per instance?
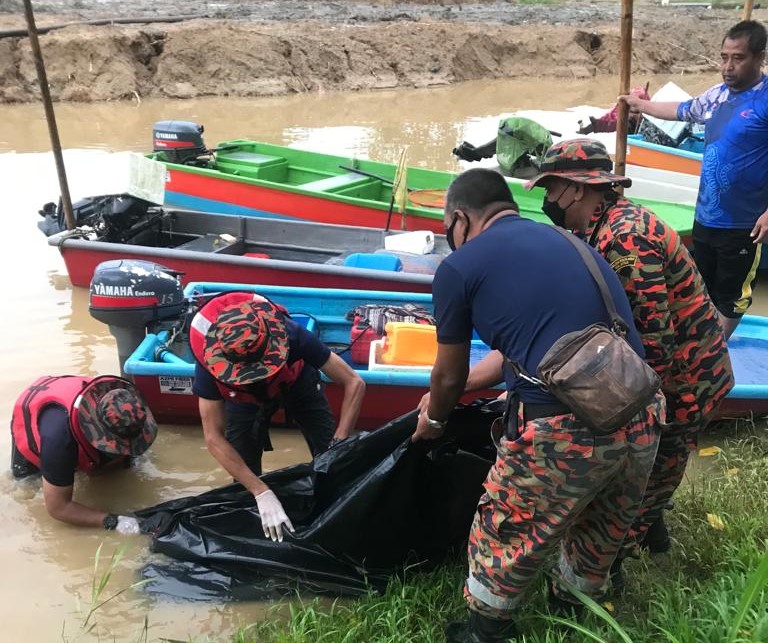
(45, 327)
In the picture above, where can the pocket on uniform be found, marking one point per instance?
(502, 509)
(562, 437)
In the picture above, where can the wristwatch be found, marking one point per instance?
(439, 425)
(110, 522)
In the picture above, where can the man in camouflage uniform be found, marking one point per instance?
(679, 325)
(554, 481)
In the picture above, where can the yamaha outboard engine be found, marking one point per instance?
(134, 297)
(179, 142)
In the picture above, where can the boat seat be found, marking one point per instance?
(209, 243)
(333, 182)
(251, 158)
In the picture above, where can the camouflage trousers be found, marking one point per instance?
(676, 442)
(557, 484)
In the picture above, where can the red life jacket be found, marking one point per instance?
(260, 394)
(33, 400)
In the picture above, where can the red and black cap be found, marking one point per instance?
(247, 343)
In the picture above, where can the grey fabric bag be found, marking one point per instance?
(595, 371)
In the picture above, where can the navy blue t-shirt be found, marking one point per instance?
(302, 344)
(521, 285)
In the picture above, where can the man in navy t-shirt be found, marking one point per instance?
(731, 209)
(522, 286)
(252, 358)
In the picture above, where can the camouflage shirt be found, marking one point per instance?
(678, 323)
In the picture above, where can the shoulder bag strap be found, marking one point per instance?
(617, 322)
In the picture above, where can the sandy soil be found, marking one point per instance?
(250, 48)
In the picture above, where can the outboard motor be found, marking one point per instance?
(179, 142)
(110, 216)
(133, 297)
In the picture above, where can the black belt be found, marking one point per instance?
(531, 411)
(536, 411)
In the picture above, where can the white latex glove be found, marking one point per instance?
(127, 525)
(273, 515)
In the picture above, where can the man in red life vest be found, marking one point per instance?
(252, 358)
(65, 424)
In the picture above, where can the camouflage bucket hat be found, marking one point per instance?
(584, 160)
(247, 343)
(114, 418)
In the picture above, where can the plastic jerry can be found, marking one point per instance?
(360, 343)
(409, 344)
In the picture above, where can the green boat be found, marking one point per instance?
(249, 178)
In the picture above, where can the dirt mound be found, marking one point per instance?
(386, 45)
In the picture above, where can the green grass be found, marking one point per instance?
(710, 589)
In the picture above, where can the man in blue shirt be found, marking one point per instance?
(731, 210)
(252, 358)
(522, 286)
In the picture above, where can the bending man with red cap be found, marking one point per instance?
(65, 424)
(252, 358)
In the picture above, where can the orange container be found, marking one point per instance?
(409, 344)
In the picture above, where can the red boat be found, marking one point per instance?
(212, 247)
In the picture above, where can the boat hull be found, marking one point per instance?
(225, 196)
(82, 261)
(206, 246)
(262, 180)
(640, 152)
(165, 377)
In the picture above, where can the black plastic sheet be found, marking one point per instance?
(362, 511)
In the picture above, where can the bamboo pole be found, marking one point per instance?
(748, 10)
(622, 118)
(50, 117)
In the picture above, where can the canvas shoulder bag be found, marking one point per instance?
(595, 372)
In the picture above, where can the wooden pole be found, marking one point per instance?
(622, 118)
(50, 117)
(748, 10)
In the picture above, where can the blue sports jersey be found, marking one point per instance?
(733, 190)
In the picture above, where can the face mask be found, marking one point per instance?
(449, 234)
(555, 211)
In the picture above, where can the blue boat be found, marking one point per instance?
(749, 356)
(163, 369)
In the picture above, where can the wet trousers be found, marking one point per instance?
(557, 484)
(248, 430)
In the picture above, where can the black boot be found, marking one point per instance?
(617, 577)
(480, 629)
(561, 606)
(656, 539)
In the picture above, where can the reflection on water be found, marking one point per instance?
(45, 327)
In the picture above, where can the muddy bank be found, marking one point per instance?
(256, 49)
